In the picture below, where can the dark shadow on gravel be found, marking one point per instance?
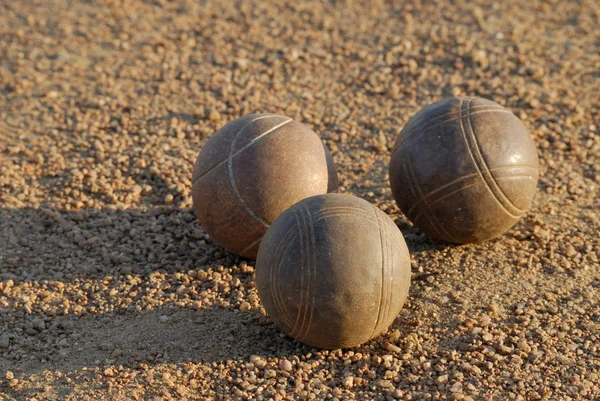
(170, 335)
(160, 188)
(46, 244)
(49, 248)
(143, 177)
(167, 336)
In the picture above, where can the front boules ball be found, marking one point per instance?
(333, 271)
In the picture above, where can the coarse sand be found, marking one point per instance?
(111, 290)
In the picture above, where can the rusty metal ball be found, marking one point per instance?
(464, 170)
(333, 271)
(253, 169)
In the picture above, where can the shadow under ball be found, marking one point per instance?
(464, 170)
(253, 169)
(333, 271)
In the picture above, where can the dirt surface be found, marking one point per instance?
(111, 289)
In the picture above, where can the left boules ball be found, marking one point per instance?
(253, 169)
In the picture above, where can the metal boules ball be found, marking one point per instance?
(464, 170)
(333, 271)
(253, 169)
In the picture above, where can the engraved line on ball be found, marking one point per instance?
(453, 113)
(509, 204)
(278, 257)
(341, 208)
(472, 147)
(385, 273)
(307, 272)
(222, 162)
(287, 318)
(300, 237)
(390, 273)
(382, 273)
(415, 195)
(459, 189)
(313, 253)
(405, 274)
(315, 261)
(394, 231)
(282, 300)
(427, 210)
(302, 269)
(309, 282)
(237, 193)
(390, 270)
(272, 267)
(392, 228)
(246, 249)
(393, 236)
(262, 136)
(435, 126)
(366, 217)
(422, 128)
(332, 208)
(342, 212)
(463, 178)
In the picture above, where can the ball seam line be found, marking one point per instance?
(405, 273)
(300, 237)
(256, 241)
(386, 284)
(487, 169)
(395, 231)
(224, 161)
(278, 257)
(261, 136)
(444, 196)
(230, 168)
(390, 281)
(468, 138)
(427, 210)
(465, 177)
(343, 214)
(301, 308)
(306, 271)
(349, 208)
(416, 196)
(281, 299)
(453, 114)
(364, 215)
(340, 211)
(272, 285)
(313, 253)
(379, 307)
(423, 127)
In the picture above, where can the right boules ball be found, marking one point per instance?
(464, 170)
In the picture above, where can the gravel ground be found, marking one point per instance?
(111, 289)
